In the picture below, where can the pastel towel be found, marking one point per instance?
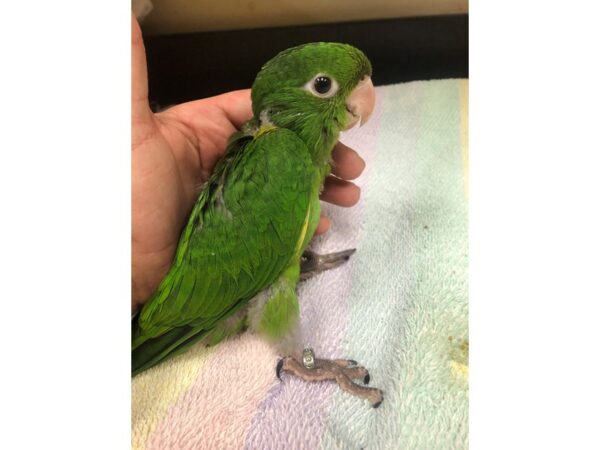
(399, 306)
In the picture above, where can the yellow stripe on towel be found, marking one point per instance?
(155, 390)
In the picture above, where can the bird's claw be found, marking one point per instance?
(312, 263)
(340, 370)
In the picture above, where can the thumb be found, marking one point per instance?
(140, 107)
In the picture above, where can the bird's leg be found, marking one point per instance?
(312, 263)
(342, 371)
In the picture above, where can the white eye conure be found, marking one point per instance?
(322, 86)
(244, 247)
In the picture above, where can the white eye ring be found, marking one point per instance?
(310, 86)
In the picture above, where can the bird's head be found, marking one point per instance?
(316, 90)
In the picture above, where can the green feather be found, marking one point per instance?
(206, 283)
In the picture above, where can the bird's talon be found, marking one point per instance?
(339, 370)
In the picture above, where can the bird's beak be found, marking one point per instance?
(360, 103)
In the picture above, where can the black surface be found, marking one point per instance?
(189, 66)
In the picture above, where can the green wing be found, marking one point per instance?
(241, 234)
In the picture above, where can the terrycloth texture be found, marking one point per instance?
(399, 307)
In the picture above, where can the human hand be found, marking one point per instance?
(173, 152)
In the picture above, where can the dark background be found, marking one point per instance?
(185, 67)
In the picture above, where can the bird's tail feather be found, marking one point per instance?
(155, 350)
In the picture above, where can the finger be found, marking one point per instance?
(340, 192)
(347, 163)
(323, 226)
(237, 106)
(140, 107)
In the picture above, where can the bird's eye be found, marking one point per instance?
(322, 86)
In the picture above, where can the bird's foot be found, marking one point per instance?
(343, 371)
(312, 263)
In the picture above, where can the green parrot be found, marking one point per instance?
(242, 252)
